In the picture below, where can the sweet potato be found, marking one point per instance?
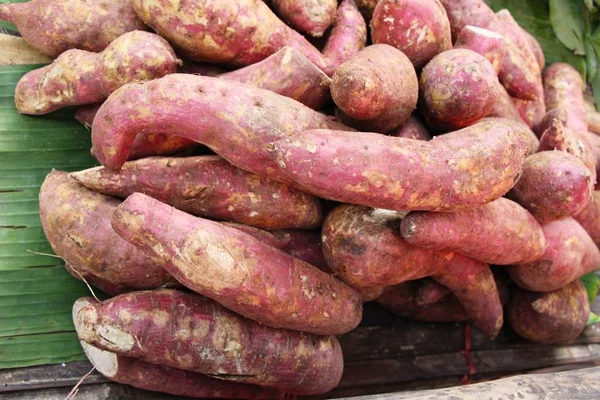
(570, 253)
(554, 185)
(557, 137)
(589, 217)
(376, 90)
(563, 88)
(81, 77)
(239, 130)
(191, 332)
(364, 248)
(594, 141)
(505, 107)
(429, 292)
(308, 16)
(517, 74)
(484, 42)
(237, 270)
(348, 35)
(210, 187)
(159, 378)
(472, 166)
(288, 73)
(558, 114)
(552, 318)
(413, 128)
(532, 112)
(535, 47)
(419, 28)
(500, 232)
(54, 27)
(456, 89)
(76, 222)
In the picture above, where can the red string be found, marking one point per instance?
(467, 353)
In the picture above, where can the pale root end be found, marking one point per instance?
(483, 32)
(107, 336)
(87, 176)
(105, 362)
(6, 13)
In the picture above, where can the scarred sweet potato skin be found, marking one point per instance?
(80, 77)
(484, 42)
(288, 73)
(237, 270)
(413, 128)
(418, 28)
(563, 88)
(552, 318)
(76, 222)
(457, 88)
(473, 166)
(54, 27)
(364, 248)
(187, 331)
(532, 112)
(554, 185)
(376, 90)
(159, 378)
(570, 253)
(500, 232)
(186, 105)
(210, 187)
(309, 16)
(589, 217)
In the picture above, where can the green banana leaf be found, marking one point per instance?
(36, 292)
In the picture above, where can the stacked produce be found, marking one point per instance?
(230, 279)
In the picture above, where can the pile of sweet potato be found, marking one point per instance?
(458, 170)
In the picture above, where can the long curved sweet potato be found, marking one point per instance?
(237, 270)
(376, 90)
(79, 77)
(554, 185)
(473, 166)
(191, 332)
(210, 187)
(159, 378)
(288, 73)
(364, 248)
(589, 217)
(456, 89)
(54, 27)
(500, 232)
(570, 253)
(554, 317)
(188, 106)
(76, 222)
(484, 42)
(308, 16)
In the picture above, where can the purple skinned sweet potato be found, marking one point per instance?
(467, 12)
(429, 292)
(210, 187)
(54, 27)
(505, 107)
(472, 166)
(76, 222)
(558, 114)
(288, 73)
(553, 185)
(376, 90)
(413, 128)
(237, 270)
(159, 378)
(308, 16)
(552, 318)
(484, 42)
(532, 112)
(190, 332)
(79, 77)
(238, 131)
(456, 89)
(418, 28)
(364, 248)
(500, 232)
(589, 217)
(570, 253)
(536, 49)
(563, 88)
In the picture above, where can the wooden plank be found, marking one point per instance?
(15, 51)
(101, 391)
(583, 384)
